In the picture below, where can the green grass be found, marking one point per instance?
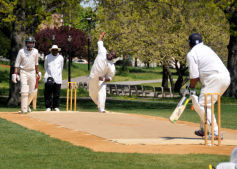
(157, 107)
(22, 149)
(82, 70)
(135, 74)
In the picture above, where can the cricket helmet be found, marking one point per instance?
(31, 40)
(194, 39)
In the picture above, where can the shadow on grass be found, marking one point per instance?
(4, 76)
(87, 104)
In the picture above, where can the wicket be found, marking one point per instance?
(70, 87)
(212, 117)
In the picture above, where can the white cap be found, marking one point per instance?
(55, 47)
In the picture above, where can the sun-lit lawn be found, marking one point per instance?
(22, 148)
(38, 150)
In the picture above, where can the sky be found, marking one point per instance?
(90, 4)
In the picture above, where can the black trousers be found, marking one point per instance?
(52, 92)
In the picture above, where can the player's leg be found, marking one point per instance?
(216, 83)
(200, 111)
(48, 89)
(93, 89)
(24, 92)
(31, 80)
(101, 96)
(56, 96)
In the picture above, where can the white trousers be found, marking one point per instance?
(214, 83)
(28, 80)
(226, 165)
(97, 92)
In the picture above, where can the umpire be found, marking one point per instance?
(53, 65)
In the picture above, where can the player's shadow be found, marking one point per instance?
(181, 138)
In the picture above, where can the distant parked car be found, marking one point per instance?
(81, 61)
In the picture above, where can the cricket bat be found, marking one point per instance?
(179, 109)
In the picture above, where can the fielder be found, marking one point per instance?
(27, 64)
(205, 66)
(103, 70)
(229, 165)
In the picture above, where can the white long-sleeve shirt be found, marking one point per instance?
(54, 67)
(102, 67)
(27, 60)
(202, 61)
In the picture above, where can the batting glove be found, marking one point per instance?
(192, 91)
(15, 78)
(189, 91)
(186, 92)
(39, 75)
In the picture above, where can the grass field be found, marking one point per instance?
(23, 148)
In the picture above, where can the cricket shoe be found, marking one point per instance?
(103, 111)
(199, 133)
(48, 110)
(22, 112)
(209, 137)
(57, 109)
(29, 110)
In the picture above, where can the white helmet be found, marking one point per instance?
(233, 157)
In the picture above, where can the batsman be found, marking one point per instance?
(205, 66)
(27, 64)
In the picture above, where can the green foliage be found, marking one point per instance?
(5, 45)
(27, 15)
(75, 15)
(157, 31)
(230, 9)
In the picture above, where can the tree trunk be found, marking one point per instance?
(232, 61)
(165, 82)
(181, 72)
(17, 41)
(170, 77)
(148, 65)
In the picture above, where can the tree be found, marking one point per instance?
(77, 46)
(230, 9)
(21, 18)
(5, 45)
(157, 31)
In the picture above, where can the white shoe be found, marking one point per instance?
(29, 110)
(48, 110)
(103, 111)
(57, 109)
(22, 112)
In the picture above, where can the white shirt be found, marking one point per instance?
(203, 61)
(54, 67)
(26, 60)
(102, 67)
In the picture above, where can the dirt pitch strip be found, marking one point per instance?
(120, 132)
